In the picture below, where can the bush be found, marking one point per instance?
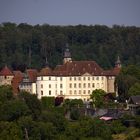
(74, 114)
(47, 102)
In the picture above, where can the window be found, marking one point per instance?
(41, 85)
(79, 78)
(88, 78)
(102, 78)
(55, 85)
(88, 91)
(61, 86)
(93, 85)
(79, 85)
(88, 85)
(49, 85)
(49, 78)
(70, 78)
(84, 92)
(49, 92)
(70, 85)
(84, 85)
(92, 78)
(74, 91)
(79, 91)
(84, 78)
(41, 92)
(41, 78)
(74, 85)
(97, 78)
(74, 78)
(61, 78)
(61, 92)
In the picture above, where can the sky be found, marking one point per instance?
(71, 12)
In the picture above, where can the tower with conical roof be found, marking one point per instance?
(6, 76)
(67, 55)
(118, 63)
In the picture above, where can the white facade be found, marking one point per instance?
(70, 87)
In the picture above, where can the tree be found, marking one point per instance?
(5, 94)
(134, 90)
(74, 114)
(13, 110)
(10, 131)
(126, 79)
(32, 102)
(97, 97)
(47, 102)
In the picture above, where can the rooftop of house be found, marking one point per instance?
(134, 100)
(6, 72)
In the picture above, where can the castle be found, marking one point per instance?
(71, 80)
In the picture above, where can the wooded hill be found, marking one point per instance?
(100, 43)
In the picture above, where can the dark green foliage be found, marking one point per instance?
(10, 131)
(128, 82)
(48, 102)
(37, 130)
(134, 90)
(74, 114)
(97, 97)
(117, 127)
(57, 119)
(32, 102)
(99, 43)
(5, 94)
(73, 103)
(12, 110)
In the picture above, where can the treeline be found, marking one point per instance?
(103, 44)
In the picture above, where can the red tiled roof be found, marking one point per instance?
(113, 72)
(6, 72)
(45, 72)
(32, 74)
(18, 76)
(77, 68)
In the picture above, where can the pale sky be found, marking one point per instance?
(71, 12)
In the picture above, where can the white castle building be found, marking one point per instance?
(75, 79)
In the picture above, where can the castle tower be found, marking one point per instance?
(67, 55)
(118, 63)
(6, 76)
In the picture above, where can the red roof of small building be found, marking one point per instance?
(6, 72)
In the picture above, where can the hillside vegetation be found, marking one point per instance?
(100, 43)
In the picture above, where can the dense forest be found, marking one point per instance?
(24, 45)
